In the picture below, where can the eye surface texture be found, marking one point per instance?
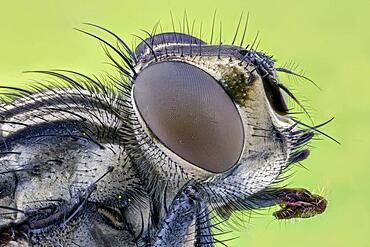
(187, 133)
(188, 110)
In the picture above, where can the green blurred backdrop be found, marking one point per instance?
(330, 40)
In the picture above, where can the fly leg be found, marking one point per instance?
(203, 234)
(186, 217)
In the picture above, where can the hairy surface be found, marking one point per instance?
(82, 162)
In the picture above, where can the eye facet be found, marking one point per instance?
(190, 113)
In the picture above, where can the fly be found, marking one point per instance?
(186, 134)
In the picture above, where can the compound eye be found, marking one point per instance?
(190, 113)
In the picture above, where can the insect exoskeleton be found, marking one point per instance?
(186, 130)
(201, 105)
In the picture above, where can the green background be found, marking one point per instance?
(330, 40)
